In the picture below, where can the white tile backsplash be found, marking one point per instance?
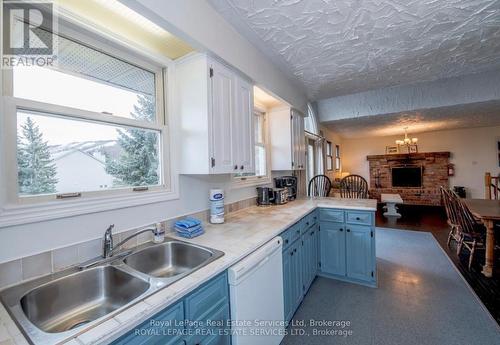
(37, 265)
(89, 250)
(64, 257)
(10, 273)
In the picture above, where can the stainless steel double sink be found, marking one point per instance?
(58, 306)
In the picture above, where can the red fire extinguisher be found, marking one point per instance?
(451, 169)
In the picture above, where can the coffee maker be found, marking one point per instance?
(288, 182)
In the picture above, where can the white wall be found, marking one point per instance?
(473, 151)
(197, 23)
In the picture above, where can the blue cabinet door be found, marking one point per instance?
(316, 249)
(288, 283)
(147, 334)
(333, 248)
(213, 329)
(309, 257)
(305, 252)
(359, 252)
(297, 275)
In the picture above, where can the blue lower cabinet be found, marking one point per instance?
(359, 252)
(317, 249)
(288, 283)
(207, 298)
(298, 287)
(213, 329)
(348, 248)
(165, 328)
(292, 279)
(310, 256)
(332, 238)
(202, 317)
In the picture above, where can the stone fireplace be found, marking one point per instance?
(434, 168)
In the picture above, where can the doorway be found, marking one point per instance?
(311, 155)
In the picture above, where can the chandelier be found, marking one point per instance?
(407, 141)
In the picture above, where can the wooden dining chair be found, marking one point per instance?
(472, 233)
(319, 186)
(451, 214)
(354, 187)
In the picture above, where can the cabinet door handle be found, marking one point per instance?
(348, 230)
(291, 253)
(295, 250)
(341, 229)
(286, 241)
(242, 167)
(357, 218)
(307, 223)
(312, 233)
(235, 167)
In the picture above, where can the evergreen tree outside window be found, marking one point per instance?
(36, 169)
(138, 163)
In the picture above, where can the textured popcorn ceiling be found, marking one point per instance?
(459, 116)
(338, 47)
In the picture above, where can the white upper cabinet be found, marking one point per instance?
(223, 119)
(215, 112)
(288, 147)
(243, 128)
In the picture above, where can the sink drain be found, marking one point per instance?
(78, 324)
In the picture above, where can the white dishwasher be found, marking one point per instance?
(256, 295)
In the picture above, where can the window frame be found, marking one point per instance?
(249, 181)
(337, 158)
(16, 209)
(329, 155)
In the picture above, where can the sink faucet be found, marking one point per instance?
(109, 248)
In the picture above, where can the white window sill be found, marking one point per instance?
(11, 215)
(239, 182)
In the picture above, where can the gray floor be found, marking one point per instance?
(421, 299)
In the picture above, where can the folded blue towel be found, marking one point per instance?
(186, 234)
(188, 230)
(187, 223)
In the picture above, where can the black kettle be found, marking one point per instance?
(265, 196)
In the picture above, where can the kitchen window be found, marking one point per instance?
(261, 174)
(92, 125)
(337, 157)
(329, 156)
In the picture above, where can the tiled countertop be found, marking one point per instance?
(242, 233)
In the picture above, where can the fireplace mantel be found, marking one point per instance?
(409, 156)
(435, 174)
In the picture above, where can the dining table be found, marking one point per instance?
(488, 211)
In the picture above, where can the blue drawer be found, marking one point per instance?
(357, 217)
(207, 298)
(328, 215)
(309, 221)
(287, 238)
(295, 231)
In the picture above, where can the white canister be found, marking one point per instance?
(216, 206)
